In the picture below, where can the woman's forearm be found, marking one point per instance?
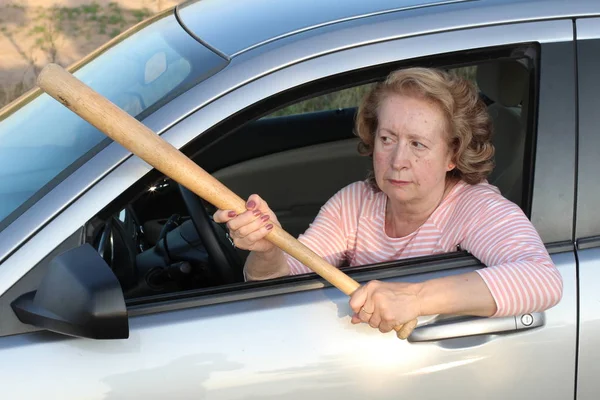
(267, 265)
(465, 294)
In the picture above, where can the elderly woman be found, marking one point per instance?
(429, 136)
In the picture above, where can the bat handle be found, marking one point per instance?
(404, 331)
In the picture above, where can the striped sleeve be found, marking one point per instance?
(327, 234)
(520, 273)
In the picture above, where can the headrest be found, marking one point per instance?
(503, 82)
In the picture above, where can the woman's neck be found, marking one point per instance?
(402, 219)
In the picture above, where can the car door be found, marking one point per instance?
(292, 338)
(588, 221)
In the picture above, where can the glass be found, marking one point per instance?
(41, 140)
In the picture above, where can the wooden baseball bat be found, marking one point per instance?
(150, 147)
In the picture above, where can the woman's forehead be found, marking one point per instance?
(398, 113)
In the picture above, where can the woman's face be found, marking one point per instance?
(411, 154)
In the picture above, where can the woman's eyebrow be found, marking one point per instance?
(419, 138)
(411, 136)
(388, 130)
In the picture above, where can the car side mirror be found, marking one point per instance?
(78, 296)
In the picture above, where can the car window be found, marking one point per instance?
(296, 158)
(40, 138)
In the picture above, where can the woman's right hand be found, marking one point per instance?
(248, 229)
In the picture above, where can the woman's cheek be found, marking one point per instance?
(379, 160)
(378, 168)
(422, 171)
(430, 172)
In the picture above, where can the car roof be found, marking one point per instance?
(234, 26)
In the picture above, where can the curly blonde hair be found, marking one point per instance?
(469, 126)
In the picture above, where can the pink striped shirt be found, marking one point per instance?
(520, 274)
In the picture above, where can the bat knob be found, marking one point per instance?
(404, 331)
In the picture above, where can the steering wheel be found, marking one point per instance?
(216, 242)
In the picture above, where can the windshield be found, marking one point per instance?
(42, 141)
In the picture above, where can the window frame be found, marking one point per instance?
(588, 222)
(330, 84)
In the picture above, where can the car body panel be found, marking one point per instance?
(295, 346)
(588, 367)
(588, 220)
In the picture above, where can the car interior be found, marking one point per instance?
(163, 240)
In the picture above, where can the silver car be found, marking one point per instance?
(115, 283)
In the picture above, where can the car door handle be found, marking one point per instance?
(455, 328)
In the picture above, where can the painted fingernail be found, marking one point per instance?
(256, 213)
(231, 214)
(269, 227)
(264, 218)
(250, 205)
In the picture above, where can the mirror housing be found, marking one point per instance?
(79, 296)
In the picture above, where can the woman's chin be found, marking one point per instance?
(396, 193)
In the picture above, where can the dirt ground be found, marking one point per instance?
(35, 32)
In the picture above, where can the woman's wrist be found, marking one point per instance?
(266, 265)
(417, 289)
(427, 298)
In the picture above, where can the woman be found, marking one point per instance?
(429, 136)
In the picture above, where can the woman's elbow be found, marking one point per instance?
(553, 287)
(557, 292)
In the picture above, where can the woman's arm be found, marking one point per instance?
(520, 274)
(266, 265)
(384, 305)
(326, 236)
(248, 231)
(465, 294)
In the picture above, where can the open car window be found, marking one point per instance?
(296, 156)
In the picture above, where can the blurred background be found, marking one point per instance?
(36, 32)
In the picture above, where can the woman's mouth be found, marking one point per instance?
(399, 183)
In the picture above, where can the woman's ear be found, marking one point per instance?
(451, 164)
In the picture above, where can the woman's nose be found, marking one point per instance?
(400, 157)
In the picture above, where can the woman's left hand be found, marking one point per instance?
(385, 305)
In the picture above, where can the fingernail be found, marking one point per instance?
(265, 217)
(256, 213)
(231, 214)
(250, 205)
(269, 227)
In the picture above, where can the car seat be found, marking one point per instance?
(506, 84)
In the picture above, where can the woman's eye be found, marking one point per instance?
(418, 145)
(385, 139)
